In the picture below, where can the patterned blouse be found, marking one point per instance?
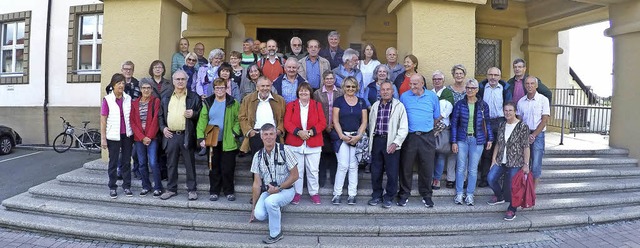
(457, 96)
(518, 141)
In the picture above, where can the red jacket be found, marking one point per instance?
(523, 190)
(316, 121)
(151, 128)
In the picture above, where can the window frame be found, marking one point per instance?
(13, 48)
(74, 74)
(497, 48)
(94, 42)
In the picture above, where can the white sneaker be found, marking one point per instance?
(469, 200)
(458, 199)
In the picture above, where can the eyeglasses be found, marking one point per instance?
(146, 88)
(127, 69)
(296, 45)
(220, 88)
(192, 60)
(349, 86)
(495, 75)
(471, 88)
(438, 79)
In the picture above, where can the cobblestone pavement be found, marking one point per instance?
(619, 235)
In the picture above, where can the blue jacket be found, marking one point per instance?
(337, 59)
(278, 82)
(372, 93)
(507, 91)
(460, 120)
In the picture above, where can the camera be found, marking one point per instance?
(265, 187)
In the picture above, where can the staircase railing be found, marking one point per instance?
(575, 111)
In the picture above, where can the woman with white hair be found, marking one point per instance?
(372, 92)
(207, 73)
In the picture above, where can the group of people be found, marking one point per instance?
(309, 114)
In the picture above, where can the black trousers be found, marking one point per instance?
(381, 161)
(328, 161)
(420, 148)
(223, 168)
(175, 149)
(120, 149)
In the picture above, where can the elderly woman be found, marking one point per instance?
(459, 72)
(221, 109)
(207, 73)
(191, 67)
(511, 154)
(238, 72)
(249, 82)
(326, 95)
(470, 131)
(116, 132)
(350, 122)
(144, 122)
(372, 92)
(156, 79)
(410, 68)
(446, 107)
(233, 89)
(304, 121)
(368, 63)
(177, 61)
(348, 68)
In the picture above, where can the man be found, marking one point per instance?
(349, 68)
(256, 47)
(392, 62)
(533, 110)
(516, 89)
(259, 108)
(177, 121)
(423, 110)
(388, 131)
(271, 65)
(275, 170)
(296, 49)
(287, 84)
(312, 66)
(333, 53)
(492, 91)
(199, 50)
(263, 50)
(248, 57)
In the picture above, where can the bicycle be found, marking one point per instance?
(89, 139)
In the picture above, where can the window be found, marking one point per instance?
(89, 43)
(487, 55)
(14, 47)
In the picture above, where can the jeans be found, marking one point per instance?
(494, 180)
(148, 156)
(381, 161)
(537, 151)
(347, 163)
(117, 149)
(269, 205)
(469, 154)
(309, 163)
(450, 160)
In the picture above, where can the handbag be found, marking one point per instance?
(362, 150)
(442, 141)
(211, 133)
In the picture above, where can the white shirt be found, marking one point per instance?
(445, 107)
(367, 71)
(304, 149)
(507, 133)
(264, 113)
(532, 110)
(493, 98)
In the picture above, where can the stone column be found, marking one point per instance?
(208, 28)
(541, 51)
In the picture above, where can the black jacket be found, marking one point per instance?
(194, 103)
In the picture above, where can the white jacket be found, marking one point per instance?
(398, 124)
(113, 119)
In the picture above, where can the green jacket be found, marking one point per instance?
(231, 130)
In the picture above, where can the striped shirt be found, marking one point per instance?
(277, 169)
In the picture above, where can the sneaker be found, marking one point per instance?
(144, 192)
(192, 196)
(113, 193)
(458, 199)
(469, 200)
(296, 199)
(436, 184)
(450, 184)
(231, 197)
(427, 202)
(157, 193)
(510, 215)
(271, 240)
(374, 201)
(213, 197)
(495, 201)
(128, 192)
(402, 202)
(167, 195)
(336, 200)
(387, 204)
(351, 200)
(315, 199)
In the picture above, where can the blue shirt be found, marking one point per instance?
(289, 89)
(421, 110)
(493, 98)
(341, 74)
(216, 116)
(313, 73)
(350, 117)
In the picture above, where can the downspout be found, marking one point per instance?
(45, 106)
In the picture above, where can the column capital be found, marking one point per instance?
(393, 6)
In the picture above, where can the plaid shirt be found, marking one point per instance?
(382, 121)
(278, 167)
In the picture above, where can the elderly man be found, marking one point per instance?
(256, 47)
(395, 68)
(312, 66)
(533, 110)
(275, 171)
(272, 65)
(296, 49)
(423, 110)
(199, 50)
(287, 84)
(177, 121)
(389, 128)
(248, 57)
(257, 109)
(515, 88)
(349, 68)
(333, 53)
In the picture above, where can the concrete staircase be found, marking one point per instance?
(579, 187)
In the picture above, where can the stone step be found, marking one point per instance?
(558, 151)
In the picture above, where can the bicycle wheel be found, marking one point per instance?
(91, 141)
(62, 143)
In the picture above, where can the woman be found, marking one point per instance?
(469, 126)
(232, 89)
(446, 107)
(249, 82)
(221, 109)
(511, 154)
(350, 121)
(115, 130)
(238, 72)
(304, 121)
(144, 122)
(326, 95)
(410, 68)
(191, 67)
(458, 87)
(372, 92)
(207, 73)
(177, 61)
(156, 79)
(368, 62)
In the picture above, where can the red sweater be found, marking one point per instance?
(271, 71)
(151, 128)
(316, 122)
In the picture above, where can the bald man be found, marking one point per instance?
(287, 83)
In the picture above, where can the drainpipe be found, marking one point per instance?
(45, 106)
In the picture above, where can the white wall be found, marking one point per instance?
(563, 78)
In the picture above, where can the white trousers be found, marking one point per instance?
(308, 163)
(346, 163)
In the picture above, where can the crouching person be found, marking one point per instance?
(275, 171)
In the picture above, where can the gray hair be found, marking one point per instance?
(378, 67)
(334, 33)
(389, 49)
(143, 82)
(128, 62)
(348, 54)
(216, 53)
(180, 71)
(458, 67)
(267, 127)
(472, 82)
(437, 72)
(295, 38)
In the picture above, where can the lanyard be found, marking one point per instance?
(266, 161)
